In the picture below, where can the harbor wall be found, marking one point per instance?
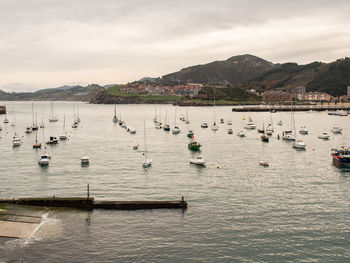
(90, 203)
(2, 109)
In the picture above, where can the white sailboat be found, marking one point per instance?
(299, 143)
(176, 129)
(214, 127)
(146, 162)
(63, 134)
(289, 135)
(44, 157)
(52, 119)
(17, 140)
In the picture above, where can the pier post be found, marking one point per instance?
(88, 191)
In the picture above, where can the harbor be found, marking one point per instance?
(249, 191)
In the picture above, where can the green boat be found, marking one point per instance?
(194, 146)
(190, 134)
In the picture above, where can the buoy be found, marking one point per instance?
(243, 117)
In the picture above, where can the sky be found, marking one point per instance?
(49, 43)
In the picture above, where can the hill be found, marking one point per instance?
(73, 93)
(232, 71)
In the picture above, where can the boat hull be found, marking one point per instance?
(341, 162)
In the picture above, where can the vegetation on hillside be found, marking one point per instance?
(333, 79)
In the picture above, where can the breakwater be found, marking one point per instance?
(262, 108)
(2, 109)
(89, 203)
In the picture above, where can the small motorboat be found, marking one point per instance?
(264, 163)
(182, 118)
(198, 161)
(146, 162)
(336, 129)
(75, 125)
(53, 140)
(132, 130)
(123, 125)
(288, 136)
(214, 127)
(324, 136)
(166, 127)
(6, 120)
(44, 160)
(261, 130)
(250, 125)
(264, 138)
(36, 145)
(229, 122)
(204, 125)
(221, 121)
(28, 130)
(190, 134)
(135, 147)
(16, 141)
(299, 144)
(268, 132)
(63, 135)
(303, 130)
(176, 130)
(85, 160)
(241, 134)
(230, 131)
(159, 125)
(280, 123)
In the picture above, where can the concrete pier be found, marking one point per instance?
(262, 108)
(2, 109)
(90, 203)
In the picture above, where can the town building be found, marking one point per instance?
(276, 96)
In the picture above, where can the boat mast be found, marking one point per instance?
(144, 133)
(214, 109)
(33, 112)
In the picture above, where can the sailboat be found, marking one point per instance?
(159, 123)
(44, 157)
(264, 137)
(146, 162)
(35, 125)
(214, 127)
(288, 134)
(6, 120)
(63, 134)
(187, 120)
(269, 128)
(75, 122)
(155, 120)
(176, 129)
(42, 119)
(166, 126)
(16, 141)
(37, 144)
(299, 143)
(115, 118)
(52, 119)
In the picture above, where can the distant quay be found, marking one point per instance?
(261, 108)
(2, 109)
(90, 204)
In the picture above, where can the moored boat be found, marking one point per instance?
(299, 144)
(336, 129)
(341, 156)
(198, 160)
(324, 136)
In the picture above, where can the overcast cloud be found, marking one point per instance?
(47, 43)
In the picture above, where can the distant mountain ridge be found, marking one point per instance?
(70, 93)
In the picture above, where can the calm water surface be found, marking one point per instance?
(296, 210)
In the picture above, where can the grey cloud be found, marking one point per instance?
(150, 37)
